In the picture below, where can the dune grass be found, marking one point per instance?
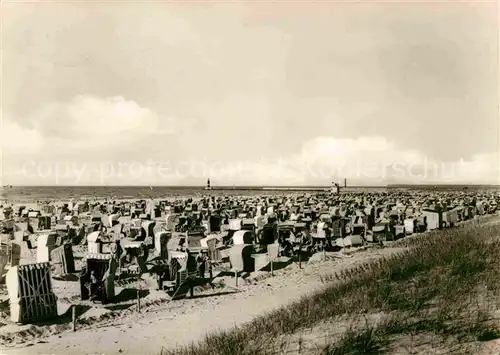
(441, 287)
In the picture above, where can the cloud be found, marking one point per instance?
(82, 125)
(327, 149)
(482, 167)
(368, 160)
(91, 140)
(363, 161)
(88, 122)
(377, 160)
(84, 130)
(18, 140)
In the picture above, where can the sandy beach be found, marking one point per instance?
(169, 324)
(120, 327)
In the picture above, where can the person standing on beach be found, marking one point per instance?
(201, 261)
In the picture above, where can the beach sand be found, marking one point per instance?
(168, 324)
(120, 328)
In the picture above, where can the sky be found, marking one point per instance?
(264, 93)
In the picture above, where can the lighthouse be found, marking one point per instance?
(208, 185)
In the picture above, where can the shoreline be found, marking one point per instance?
(32, 194)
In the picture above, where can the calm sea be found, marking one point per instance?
(35, 193)
(39, 193)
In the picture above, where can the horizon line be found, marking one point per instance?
(258, 186)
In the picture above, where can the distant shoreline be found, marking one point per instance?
(261, 187)
(28, 194)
